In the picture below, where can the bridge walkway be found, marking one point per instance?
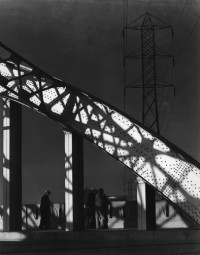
(130, 241)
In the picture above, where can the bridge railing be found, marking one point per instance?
(124, 215)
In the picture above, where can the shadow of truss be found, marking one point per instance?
(169, 170)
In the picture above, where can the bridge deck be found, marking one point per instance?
(179, 241)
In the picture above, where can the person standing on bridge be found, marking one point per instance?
(90, 209)
(101, 209)
(45, 210)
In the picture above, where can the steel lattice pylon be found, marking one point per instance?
(150, 81)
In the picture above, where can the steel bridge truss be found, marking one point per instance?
(170, 171)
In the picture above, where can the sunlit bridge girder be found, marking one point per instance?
(169, 170)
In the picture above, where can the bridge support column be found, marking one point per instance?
(74, 182)
(12, 168)
(146, 206)
(151, 210)
(141, 204)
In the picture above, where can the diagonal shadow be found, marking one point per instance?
(161, 164)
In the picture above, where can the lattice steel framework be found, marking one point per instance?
(149, 54)
(165, 167)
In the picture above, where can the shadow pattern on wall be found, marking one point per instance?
(173, 173)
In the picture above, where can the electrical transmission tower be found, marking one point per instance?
(149, 55)
(149, 82)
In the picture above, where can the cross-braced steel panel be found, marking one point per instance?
(150, 108)
(169, 170)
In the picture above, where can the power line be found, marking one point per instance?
(184, 45)
(170, 49)
(188, 78)
(125, 22)
(180, 88)
(175, 29)
(171, 76)
(170, 114)
(181, 14)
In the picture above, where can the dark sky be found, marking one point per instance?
(80, 41)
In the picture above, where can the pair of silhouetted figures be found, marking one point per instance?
(97, 207)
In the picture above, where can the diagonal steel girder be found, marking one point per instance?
(169, 170)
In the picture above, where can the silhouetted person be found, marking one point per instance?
(45, 210)
(90, 209)
(101, 209)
